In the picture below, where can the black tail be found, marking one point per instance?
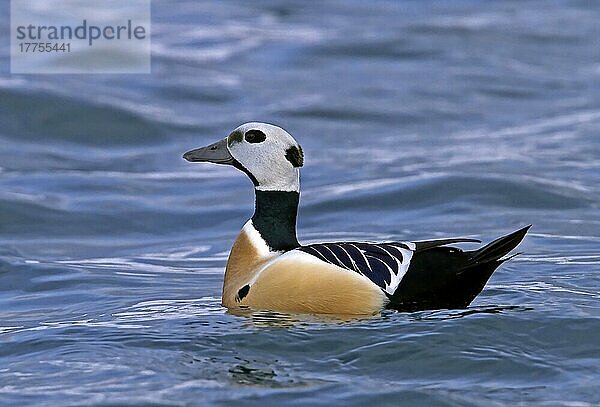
(447, 277)
(498, 248)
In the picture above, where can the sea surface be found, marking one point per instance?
(418, 119)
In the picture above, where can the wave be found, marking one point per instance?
(52, 117)
(447, 189)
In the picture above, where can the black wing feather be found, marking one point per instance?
(380, 263)
(430, 244)
(379, 272)
(342, 255)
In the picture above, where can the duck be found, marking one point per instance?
(269, 270)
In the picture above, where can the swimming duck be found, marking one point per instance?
(268, 269)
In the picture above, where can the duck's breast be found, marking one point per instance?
(299, 282)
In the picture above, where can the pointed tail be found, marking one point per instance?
(498, 248)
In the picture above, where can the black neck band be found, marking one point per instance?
(275, 218)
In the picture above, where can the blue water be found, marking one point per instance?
(418, 120)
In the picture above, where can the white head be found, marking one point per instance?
(268, 154)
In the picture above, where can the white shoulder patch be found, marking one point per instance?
(402, 267)
(257, 241)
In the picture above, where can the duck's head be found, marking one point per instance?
(268, 154)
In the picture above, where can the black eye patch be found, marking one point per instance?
(255, 136)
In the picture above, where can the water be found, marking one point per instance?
(419, 120)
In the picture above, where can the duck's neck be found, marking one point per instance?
(275, 218)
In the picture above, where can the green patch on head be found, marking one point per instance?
(235, 137)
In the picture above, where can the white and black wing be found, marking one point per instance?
(383, 263)
(439, 277)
